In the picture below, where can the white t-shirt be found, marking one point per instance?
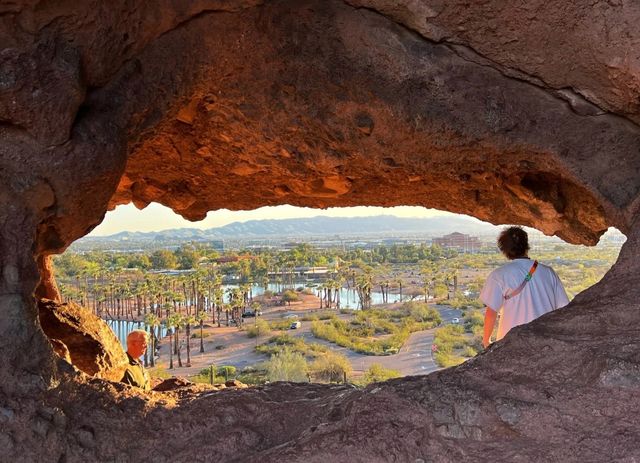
(542, 294)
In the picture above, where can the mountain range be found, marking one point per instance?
(315, 226)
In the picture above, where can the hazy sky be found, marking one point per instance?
(156, 217)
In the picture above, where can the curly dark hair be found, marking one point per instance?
(513, 242)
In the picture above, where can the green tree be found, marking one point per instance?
(289, 296)
(163, 259)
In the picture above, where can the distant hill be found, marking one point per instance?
(307, 227)
(320, 225)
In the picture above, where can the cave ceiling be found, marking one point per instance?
(237, 105)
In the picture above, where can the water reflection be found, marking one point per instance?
(123, 327)
(348, 297)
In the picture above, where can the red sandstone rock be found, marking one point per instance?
(171, 384)
(235, 383)
(90, 343)
(519, 113)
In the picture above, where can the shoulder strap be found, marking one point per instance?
(527, 278)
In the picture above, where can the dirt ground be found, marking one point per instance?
(231, 346)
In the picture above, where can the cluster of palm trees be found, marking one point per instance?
(177, 302)
(182, 300)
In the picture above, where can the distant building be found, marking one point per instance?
(218, 245)
(460, 241)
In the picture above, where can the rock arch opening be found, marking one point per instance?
(325, 104)
(355, 283)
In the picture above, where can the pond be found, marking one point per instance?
(122, 328)
(348, 297)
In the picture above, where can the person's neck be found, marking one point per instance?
(521, 257)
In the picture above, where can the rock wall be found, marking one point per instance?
(92, 346)
(511, 113)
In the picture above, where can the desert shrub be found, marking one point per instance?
(204, 376)
(280, 324)
(447, 360)
(228, 371)
(259, 328)
(331, 367)
(159, 372)
(377, 373)
(276, 344)
(253, 375)
(318, 316)
(287, 365)
(472, 319)
(469, 352)
(363, 333)
(454, 346)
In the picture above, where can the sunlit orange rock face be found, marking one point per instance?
(511, 113)
(322, 105)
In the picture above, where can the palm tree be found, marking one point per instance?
(399, 283)
(428, 274)
(200, 319)
(151, 320)
(188, 321)
(170, 323)
(363, 286)
(176, 320)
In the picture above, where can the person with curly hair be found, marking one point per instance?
(521, 290)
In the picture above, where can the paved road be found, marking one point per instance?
(413, 359)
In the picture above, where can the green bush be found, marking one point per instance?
(229, 369)
(276, 344)
(447, 360)
(287, 365)
(204, 376)
(318, 316)
(469, 352)
(259, 328)
(472, 319)
(347, 311)
(254, 376)
(331, 367)
(454, 346)
(362, 333)
(377, 373)
(280, 324)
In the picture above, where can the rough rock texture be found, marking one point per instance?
(536, 40)
(92, 346)
(520, 113)
(327, 118)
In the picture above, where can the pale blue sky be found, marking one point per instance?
(156, 217)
